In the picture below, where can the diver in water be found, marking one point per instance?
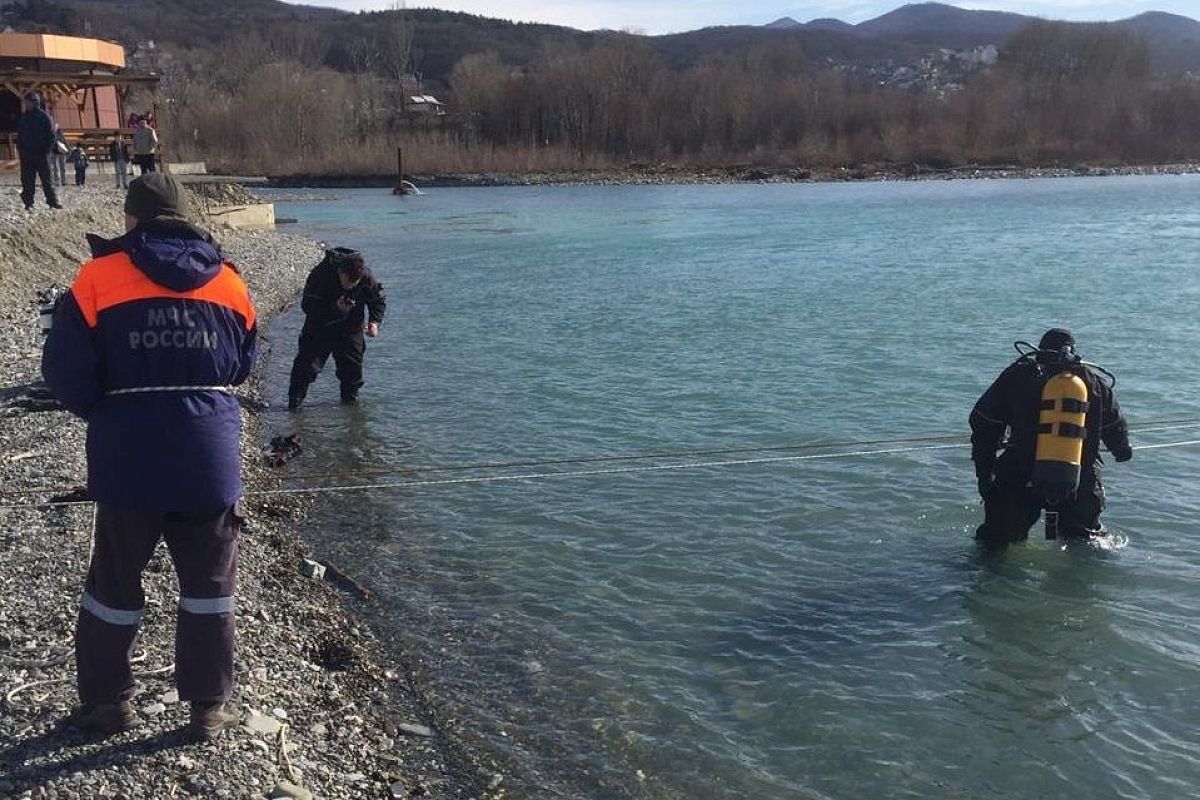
(1056, 410)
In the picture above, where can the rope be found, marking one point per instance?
(550, 462)
(933, 437)
(586, 473)
(1168, 444)
(284, 759)
(146, 389)
(8, 698)
(1159, 425)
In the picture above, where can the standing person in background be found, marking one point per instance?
(35, 140)
(339, 296)
(146, 346)
(58, 156)
(79, 158)
(145, 146)
(118, 154)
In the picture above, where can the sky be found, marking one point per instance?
(668, 16)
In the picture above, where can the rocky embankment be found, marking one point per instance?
(324, 710)
(667, 174)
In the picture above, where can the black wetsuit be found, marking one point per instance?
(1013, 403)
(329, 330)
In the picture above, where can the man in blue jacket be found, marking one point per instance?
(145, 347)
(35, 141)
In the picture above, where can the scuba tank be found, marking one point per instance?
(1062, 421)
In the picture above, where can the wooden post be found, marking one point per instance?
(399, 170)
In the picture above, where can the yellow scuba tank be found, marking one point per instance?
(1058, 456)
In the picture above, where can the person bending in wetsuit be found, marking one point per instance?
(339, 296)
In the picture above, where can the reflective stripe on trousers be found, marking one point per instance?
(203, 547)
(113, 616)
(206, 605)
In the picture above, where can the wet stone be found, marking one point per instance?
(413, 729)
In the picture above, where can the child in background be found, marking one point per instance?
(80, 159)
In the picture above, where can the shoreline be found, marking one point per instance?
(666, 175)
(324, 705)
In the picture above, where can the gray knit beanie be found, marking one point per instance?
(156, 195)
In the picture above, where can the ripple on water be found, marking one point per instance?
(805, 628)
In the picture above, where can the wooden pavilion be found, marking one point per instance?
(84, 83)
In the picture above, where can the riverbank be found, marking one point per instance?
(323, 706)
(665, 174)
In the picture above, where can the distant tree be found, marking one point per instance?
(43, 16)
(394, 39)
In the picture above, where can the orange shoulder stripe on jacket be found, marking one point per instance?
(112, 280)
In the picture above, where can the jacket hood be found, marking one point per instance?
(172, 253)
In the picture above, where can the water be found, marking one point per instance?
(816, 628)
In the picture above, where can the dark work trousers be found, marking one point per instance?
(1011, 510)
(145, 162)
(204, 549)
(32, 170)
(315, 348)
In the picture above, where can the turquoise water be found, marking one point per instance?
(808, 628)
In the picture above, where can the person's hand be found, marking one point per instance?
(345, 304)
(373, 329)
(1123, 455)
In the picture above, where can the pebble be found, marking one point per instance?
(283, 789)
(413, 729)
(265, 726)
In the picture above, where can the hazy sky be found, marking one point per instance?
(665, 16)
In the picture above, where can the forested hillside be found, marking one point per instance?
(260, 85)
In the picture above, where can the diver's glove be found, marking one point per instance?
(1124, 454)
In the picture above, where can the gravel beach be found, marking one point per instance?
(326, 712)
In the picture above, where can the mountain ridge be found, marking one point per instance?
(442, 38)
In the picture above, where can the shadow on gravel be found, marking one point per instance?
(30, 397)
(64, 751)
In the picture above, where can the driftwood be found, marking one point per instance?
(339, 578)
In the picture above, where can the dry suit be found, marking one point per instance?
(144, 347)
(330, 331)
(1004, 466)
